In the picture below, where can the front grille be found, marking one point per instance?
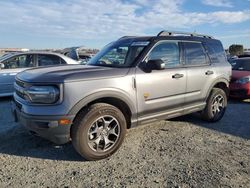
(20, 86)
(20, 94)
(20, 83)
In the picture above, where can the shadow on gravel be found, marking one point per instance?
(236, 120)
(15, 140)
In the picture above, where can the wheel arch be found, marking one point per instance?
(117, 99)
(221, 83)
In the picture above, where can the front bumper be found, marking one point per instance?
(240, 90)
(47, 127)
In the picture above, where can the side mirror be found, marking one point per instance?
(1, 66)
(156, 64)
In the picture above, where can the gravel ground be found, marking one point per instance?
(184, 152)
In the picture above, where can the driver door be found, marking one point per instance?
(161, 92)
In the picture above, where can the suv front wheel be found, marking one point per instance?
(98, 131)
(216, 105)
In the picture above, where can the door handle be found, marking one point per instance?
(176, 76)
(209, 72)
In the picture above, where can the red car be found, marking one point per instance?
(240, 82)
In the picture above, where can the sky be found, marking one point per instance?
(41, 24)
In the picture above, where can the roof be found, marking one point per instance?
(171, 35)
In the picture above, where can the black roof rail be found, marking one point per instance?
(179, 33)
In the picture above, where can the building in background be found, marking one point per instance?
(12, 50)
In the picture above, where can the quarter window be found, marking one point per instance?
(168, 52)
(216, 52)
(194, 54)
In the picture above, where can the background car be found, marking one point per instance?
(240, 82)
(244, 55)
(80, 53)
(11, 64)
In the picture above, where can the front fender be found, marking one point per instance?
(111, 93)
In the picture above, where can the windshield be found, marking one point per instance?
(118, 54)
(241, 64)
(5, 56)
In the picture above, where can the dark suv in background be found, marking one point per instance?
(132, 81)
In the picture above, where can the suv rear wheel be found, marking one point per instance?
(99, 131)
(216, 105)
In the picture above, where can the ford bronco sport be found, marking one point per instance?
(132, 81)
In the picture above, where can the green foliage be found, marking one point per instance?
(236, 49)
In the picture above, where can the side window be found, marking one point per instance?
(216, 52)
(20, 61)
(168, 52)
(45, 60)
(194, 53)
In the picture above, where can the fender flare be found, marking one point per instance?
(219, 80)
(118, 94)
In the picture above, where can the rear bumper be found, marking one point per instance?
(47, 127)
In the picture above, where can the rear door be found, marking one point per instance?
(199, 72)
(12, 66)
(161, 91)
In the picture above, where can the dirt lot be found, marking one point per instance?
(185, 152)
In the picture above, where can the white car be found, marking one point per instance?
(13, 63)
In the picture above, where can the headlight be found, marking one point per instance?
(243, 80)
(42, 94)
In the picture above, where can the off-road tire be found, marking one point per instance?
(83, 123)
(207, 113)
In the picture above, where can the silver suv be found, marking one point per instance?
(132, 81)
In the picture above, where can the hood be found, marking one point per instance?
(69, 73)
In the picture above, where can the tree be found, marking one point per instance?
(236, 49)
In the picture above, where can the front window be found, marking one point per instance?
(19, 61)
(168, 52)
(118, 54)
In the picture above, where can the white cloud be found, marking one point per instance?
(218, 3)
(236, 34)
(231, 17)
(105, 18)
